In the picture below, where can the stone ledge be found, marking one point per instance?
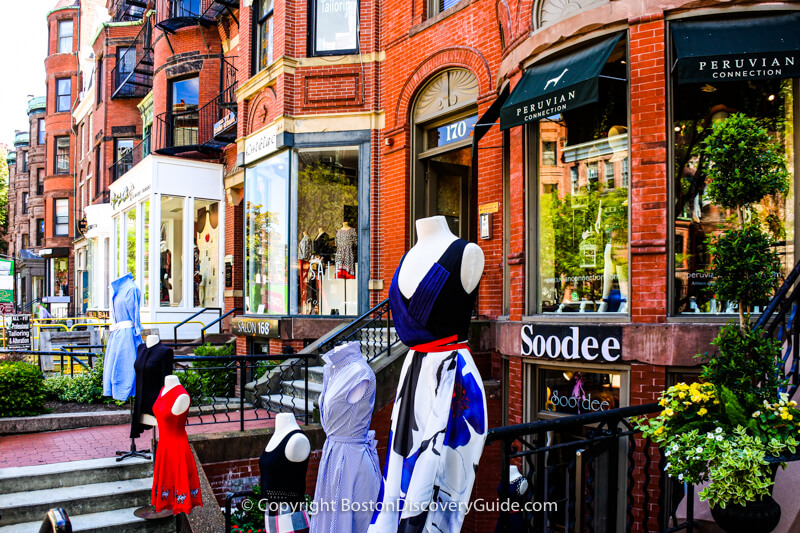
(61, 421)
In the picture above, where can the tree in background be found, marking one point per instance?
(3, 201)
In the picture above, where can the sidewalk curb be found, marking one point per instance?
(61, 421)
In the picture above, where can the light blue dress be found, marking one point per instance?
(119, 376)
(349, 475)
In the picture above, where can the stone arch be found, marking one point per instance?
(549, 12)
(447, 91)
(449, 58)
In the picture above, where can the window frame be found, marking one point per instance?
(118, 156)
(56, 223)
(41, 133)
(533, 146)
(24, 199)
(61, 37)
(312, 33)
(261, 20)
(56, 154)
(59, 96)
(39, 231)
(122, 53)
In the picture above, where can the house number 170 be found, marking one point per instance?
(456, 131)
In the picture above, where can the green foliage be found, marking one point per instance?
(746, 365)
(247, 516)
(209, 379)
(745, 267)
(21, 389)
(743, 163)
(86, 387)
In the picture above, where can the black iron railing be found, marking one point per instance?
(128, 10)
(373, 329)
(133, 73)
(129, 158)
(215, 322)
(215, 8)
(175, 329)
(589, 472)
(779, 321)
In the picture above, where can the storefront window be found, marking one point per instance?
(171, 251)
(118, 246)
(130, 241)
(206, 253)
(697, 106)
(572, 392)
(60, 276)
(146, 252)
(583, 201)
(267, 236)
(335, 26)
(327, 218)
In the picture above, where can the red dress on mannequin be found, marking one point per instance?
(176, 485)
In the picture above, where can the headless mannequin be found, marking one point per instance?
(513, 475)
(357, 392)
(433, 238)
(182, 402)
(298, 448)
(149, 420)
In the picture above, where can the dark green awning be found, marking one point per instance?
(557, 86)
(752, 48)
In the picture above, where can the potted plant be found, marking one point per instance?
(723, 430)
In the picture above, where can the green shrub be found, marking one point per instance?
(86, 387)
(21, 389)
(209, 379)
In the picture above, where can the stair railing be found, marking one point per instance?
(779, 322)
(374, 327)
(197, 314)
(216, 321)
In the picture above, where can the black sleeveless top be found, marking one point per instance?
(439, 307)
(282, 480)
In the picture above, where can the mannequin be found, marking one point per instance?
(145, 418)
(432, 455)
(517, 488)
(433, 238)
(182, 402)
(298, 448)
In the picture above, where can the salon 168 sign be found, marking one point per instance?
(599, 344)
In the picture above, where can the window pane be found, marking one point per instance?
(41, 131)
(171, 251)
(697, 107)
(206, 253)
(64, 36)
(61, 276)
(327, 218)
(185, 118)
(583, 214)
(62, 155)
(63, 94)
(62, 216)
(566, 391)
(126, 61)
(124, 160)
(130, 241)
(265, 34)
(336, 25)
(266, 236)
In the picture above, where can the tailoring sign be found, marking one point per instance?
(600, 344)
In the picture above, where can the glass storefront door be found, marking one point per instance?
(447, 191)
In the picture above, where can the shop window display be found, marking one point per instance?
(697, 106)
(171, 251)
(146, 252)
(130, 241)
(572, 392)
(318, 275)
(583, 201)
(206, 253)
(61, 276)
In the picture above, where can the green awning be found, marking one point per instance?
(557, 86)
(752, 48)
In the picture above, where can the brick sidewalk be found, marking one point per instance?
(91, 443)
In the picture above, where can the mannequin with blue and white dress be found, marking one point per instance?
(119, 375)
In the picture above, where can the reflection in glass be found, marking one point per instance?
(184, 111)
(327, 218)
(171, 251)
(206, 253)
(267, 236)
(583, 203)
(697, 107)
(336, 25)
(146, 247)
(130, 241)
(574, 392)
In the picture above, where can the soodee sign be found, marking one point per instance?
(602, 344)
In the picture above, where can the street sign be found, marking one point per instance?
(19, 332)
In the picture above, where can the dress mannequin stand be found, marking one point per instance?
(439, 421)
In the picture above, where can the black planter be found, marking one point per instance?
(755, 517)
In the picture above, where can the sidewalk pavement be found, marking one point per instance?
(94, 443)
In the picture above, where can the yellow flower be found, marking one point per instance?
(669, 412)
(663, 402)
(660, 430)
(682, 395)
(716, 402)
(702, 411)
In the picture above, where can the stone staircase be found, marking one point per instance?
(99, 496)
(290, 396)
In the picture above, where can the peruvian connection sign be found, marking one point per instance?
(594, 344)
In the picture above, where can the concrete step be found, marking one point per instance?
(316, 374)
(280, 403)
(30, 506)
(72, 473)
(116, 521)
(297, 387)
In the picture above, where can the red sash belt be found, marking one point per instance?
(441, 345)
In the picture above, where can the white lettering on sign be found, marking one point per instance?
(749, 67)
(570, 347)
(586, 404)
